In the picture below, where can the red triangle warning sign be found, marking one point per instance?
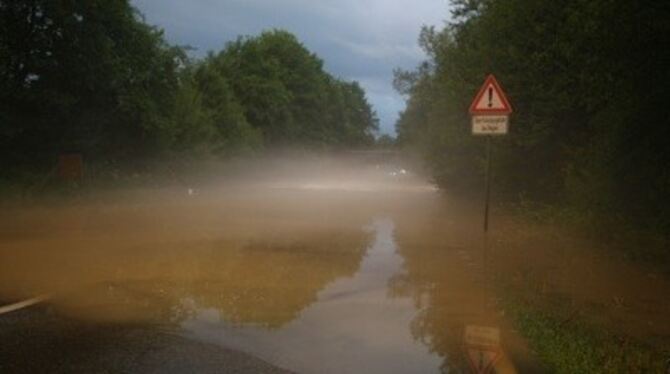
(490, 99)
(482, 361)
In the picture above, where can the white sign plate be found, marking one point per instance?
(490, 125)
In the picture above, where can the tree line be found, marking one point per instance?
(92, 77)
(588, 82)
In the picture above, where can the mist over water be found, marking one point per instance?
(246, 208)
(329, 264)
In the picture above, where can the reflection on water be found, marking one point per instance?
(139, 264)
(353, 326)
(267, 285)
(446, 276)
(311, 279)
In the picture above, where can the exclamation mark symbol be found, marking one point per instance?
(490, 97)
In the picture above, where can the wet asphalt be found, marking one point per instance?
(39, 340)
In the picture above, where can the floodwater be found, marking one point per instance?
(352, 326)
(369, 269)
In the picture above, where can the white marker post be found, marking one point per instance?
(490, 111)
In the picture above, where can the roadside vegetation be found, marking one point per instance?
(92, 78)
(588, 85)
(567, 345)
(587, 148)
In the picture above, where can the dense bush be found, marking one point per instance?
(90, 77)
(588, 81)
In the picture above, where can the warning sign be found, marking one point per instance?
(490, 99)
(482, 360)
(490, 125)
(490, 111)
(482, 348)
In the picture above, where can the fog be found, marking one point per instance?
(309, 262)
(212, 187)
(60, 245)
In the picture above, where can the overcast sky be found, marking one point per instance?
(361, 40)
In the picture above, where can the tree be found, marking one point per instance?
(586, 79)
(386, 141)
(86, 76)
(92, 77)
(285, 93)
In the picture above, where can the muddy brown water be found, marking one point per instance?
(373, 273)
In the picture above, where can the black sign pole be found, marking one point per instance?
(488, 184)
(495, 121)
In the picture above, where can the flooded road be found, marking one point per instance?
(373, 271)
(354, 325)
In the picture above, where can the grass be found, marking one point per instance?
(565, 344)
(566, 341)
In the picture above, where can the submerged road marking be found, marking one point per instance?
(22, 304)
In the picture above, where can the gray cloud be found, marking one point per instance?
(357, 39)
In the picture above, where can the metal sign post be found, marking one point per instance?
(490, 112)
(488, 184)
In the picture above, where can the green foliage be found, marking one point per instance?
(83, 76)
(286, 93)
(569, 346)
(386, 141)
(91, 77)
(587, 81)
